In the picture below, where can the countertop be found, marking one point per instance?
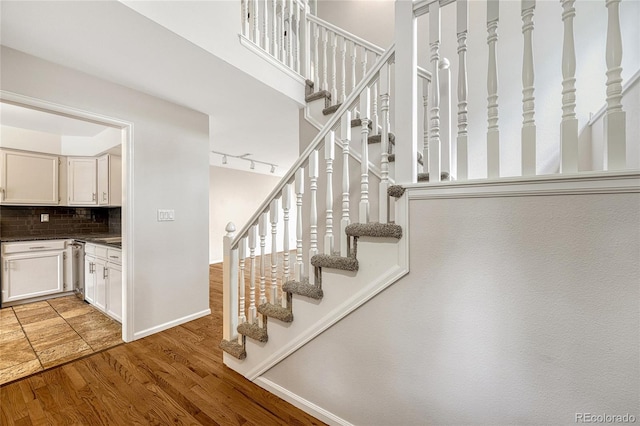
(87, 238)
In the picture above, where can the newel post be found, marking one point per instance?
(406, 89)
(229, 285)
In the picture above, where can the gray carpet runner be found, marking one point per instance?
(233, 348)
(381, 230)
(303, 289)
(335, 262)
(275, 311)
(395, 191)
(254, 331)
(424, 177)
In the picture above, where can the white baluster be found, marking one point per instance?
(334, 69)
(252, 275)
(375, 122)
(354, 59)
(289, 47)
(273, 217)
(299, 266)
(286, 205)
(262, 229)
(245, 17)
(462, 139)
(365, 104)
(296, 30)
(325, 64)
(345, 132)
(343, 83)
(528, 98)
(445, 116)
(283, 28)
(313, 221)
(425, 125)
(256, 30)
(242, 254)
(306, 48)
(615, 117)
(316, 58)
(329, 155)
(265, 23)
(274, 28)
(363, 61)
(493, 133)
(229, 285)
(434, 138)
(383, 198)
(569, 123)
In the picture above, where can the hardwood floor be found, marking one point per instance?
(173, 377)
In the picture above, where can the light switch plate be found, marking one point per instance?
(166, 215)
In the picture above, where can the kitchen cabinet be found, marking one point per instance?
(109, 180)
(81, 181)
(28, 178)
(34, 268)
(103, 279)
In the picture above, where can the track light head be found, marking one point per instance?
(224, 159)
(253, 165)
(273, 168)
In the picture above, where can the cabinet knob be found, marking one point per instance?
(93, 196)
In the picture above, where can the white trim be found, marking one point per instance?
(336, 314)
(167, 325)
(214, 261)
(596, 183)
(127, 129)
(627, 86)
(297, 401)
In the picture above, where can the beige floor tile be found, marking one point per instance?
(43, 324)
(9, 335)
(20, 370)
(36, 315)
(43, 338)
(15, 352)
(104, 342)
(31, 306)
(60, 354)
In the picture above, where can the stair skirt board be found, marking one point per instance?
(303, 289)
(298, 401)
(382, 263)
(254, 331)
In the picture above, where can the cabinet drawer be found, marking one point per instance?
(33, 246)
(114, 255)
(101, 251)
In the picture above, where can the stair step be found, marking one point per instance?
(308, 89)
(331, 109)
(234, 349)
(253, 331)
(356, 122)
(395, 191)
(322, 94)
(378, 139)
(424, 177)
(335, 262)
(374, 229)
(277, 312)
(303, 289)
(392, 158)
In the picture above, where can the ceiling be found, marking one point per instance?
(111, 41)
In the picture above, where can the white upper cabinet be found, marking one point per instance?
(82, 181)
(28, 178)
(110, 180)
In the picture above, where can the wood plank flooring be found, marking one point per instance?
(41, 335)
(173, 377)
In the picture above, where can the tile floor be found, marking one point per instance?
(41, 335)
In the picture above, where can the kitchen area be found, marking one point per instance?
(61, 286)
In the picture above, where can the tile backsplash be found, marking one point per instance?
(18, 221)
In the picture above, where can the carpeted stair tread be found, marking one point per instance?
(322, 94)
(254, 331)
(331, 109)
(234, 349)
(335, 262)
(277, 312)
(374, 229)
(303, 289)
(356, 122)
(378, 139)
(392, 158)
(395, 191)
(424, 177)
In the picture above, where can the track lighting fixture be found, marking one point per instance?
(252, 163)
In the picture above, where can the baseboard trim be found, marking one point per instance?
(167, 325)
(301, 403)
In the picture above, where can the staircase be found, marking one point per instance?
(362, 219)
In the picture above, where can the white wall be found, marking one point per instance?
(30, 140)
(91, 146)
(233, 197)
(170, 167)
(519, 310)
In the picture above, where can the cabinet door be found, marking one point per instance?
(82, 182)
(114, 291)
(100, 299)
(32, 274)
(28, 178)
(103, 180)
(89, 279)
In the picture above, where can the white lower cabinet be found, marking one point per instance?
(103, 279)
(33, 269)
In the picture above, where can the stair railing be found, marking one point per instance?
(438, 161)
(236, 308)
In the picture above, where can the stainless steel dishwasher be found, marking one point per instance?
(77, 268)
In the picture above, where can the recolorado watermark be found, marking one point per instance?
(605, 418)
